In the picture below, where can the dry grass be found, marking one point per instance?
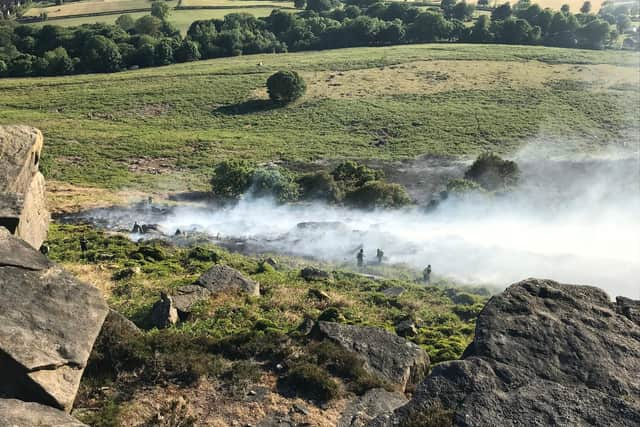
(68, 198)
(93, 6)
(98, 276)
(213, 408)
(427, 77)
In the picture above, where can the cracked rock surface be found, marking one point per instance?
(48, 324)
(544, 354)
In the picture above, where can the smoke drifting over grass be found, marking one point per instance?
(571, 221)
(574, 221)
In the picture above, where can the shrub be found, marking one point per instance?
(311, 381)
(152, 253)
(331, 314)
(274, 182)
(462, 186)
(351, 175)
(492, 172)
(126, 22)
(202, 254)
(231, 179)
(285, 86)
(376, 194)
(319, 186)
(463, 298)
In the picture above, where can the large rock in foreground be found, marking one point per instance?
(23, 208)
(221, 278)
(393, 359)
(48, 324)
(16, 413)
(374, 402)
(544, 354)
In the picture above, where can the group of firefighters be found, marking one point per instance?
(426, 273)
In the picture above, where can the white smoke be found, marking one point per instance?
(571, 221)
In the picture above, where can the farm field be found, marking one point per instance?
(165, 128)
(182, 19)
(93, 6)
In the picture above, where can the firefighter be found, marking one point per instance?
(426, 274)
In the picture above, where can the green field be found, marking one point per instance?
(182, 19)
(164, 128)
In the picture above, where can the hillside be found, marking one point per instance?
(165, 128)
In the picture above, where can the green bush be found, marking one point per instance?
(492, 172)
(463, 298)
(231, 179)
(312, 382)
(285, 86)
(351, 175)
(151, 253)
(201, 254)
(274, 182)
(319, 186)
(378, 194)
(331, 314)
(462, 186)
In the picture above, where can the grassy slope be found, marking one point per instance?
(194, 115)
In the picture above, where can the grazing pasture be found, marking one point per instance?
(166, 127)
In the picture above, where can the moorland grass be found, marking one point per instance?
(192, 116)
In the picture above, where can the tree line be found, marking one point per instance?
(323, 24)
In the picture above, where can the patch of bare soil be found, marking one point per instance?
(153, 110)
(152, 165)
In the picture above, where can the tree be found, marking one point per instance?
(232, 178)
(319, 186)
(429, 27)
(188, 51)
(447, 7)
(351, 175)
(462, 11)
(501, 12)
(480, 32)
(565, 8)
(586, 7)
(163, 52)
(622, 23)
(126, 22)
(319, 5)
(59, 62)
(285, 86)
(160, 10)
(274, 182)
(148, 25)
(299, 4)
(492, 172)
(101, 55)
(594, 34)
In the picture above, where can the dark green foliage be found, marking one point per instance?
(160, 9)
(274, 182)
(492, 172)
(150, 253)
(263, 344)
(312, 382)
(321, 5)
(331, 314)
(462, 186)
(501, 12)
(319, 186)
(463, 298)
(351, 175)
(285, 86)
(378, 194)
(126, 22)
(188, 51)
(202, 254)
(163, 52)
(232, 179)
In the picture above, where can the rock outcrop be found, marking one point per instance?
(544, 353)
(393, 359)
(373, 403)
(164, 312)
(48, 324)
(23, 208)
(221, 278)
(16, 413)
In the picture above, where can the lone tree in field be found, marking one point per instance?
(160, 10)
(285, 86)
(493, 172)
